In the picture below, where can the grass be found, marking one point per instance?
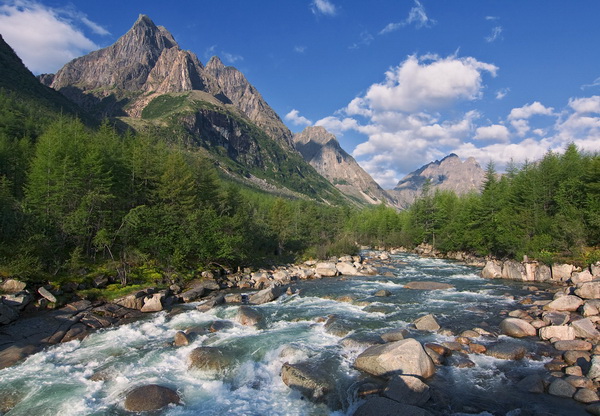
(163, 105)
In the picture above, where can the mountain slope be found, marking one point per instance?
(147, 81)
(322, 150)
(449, 174)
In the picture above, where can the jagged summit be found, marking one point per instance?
(321, 149)
(449, 173)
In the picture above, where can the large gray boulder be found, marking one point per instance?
(210, 359)
(7, 314)
(309, 378)
(249, 316)
(589, 290)
(382, 406)
(427, 323)
(153, 303)
(347, 269)
(585, 328)
(492, 270)
(12, 286)
(266, 295)
(514, 270)
(581, 277)
(562, 272)
(406, 356)
(506, 351)
(407, 390)
(565, 303)
(560, 332)
(149, 398)
(517, 328)
(326, 269)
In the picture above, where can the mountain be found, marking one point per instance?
(148, 82)
(450, 174)
(322, 150)
(18, 80)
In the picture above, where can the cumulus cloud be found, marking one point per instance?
(428, 83)
(295, 118)
(529, 110)
(585, 105)
(46, 38)
(416, 16)
(495, 132)
(324, 7)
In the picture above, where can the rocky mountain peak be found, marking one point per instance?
(322, 150)
(449, 173)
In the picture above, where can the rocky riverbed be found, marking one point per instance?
(395, 334)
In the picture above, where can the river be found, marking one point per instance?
(90, 377)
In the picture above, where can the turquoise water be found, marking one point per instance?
(59, 380)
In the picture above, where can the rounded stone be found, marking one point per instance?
(517, 328)
(150, 397)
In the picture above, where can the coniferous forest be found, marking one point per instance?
(77, 200)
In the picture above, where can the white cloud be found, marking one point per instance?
(231, 58)
(495, 132)
(300, 49)
(501, 93)
(495, 35)
(416, 16)
(419, 85)
(521, 126)
(338, 126)
(323, 7)
(585, 105)
(295, 118)
(529, 110)
(595, 83)
(43, 37)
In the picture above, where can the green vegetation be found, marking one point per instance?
(163, 105)
(549, 210)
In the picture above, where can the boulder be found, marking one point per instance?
(506, 351)
(18, 301)
(149, 398)
(581, 277)
(589, 290)
(45, 293)
(266, 295)
(585, 328)
(282, 276)
(405, 357)
(309, 378)
(428, 286)
(100, 282)
(7, 314)
(12, 286)
(590, 308)
(407, 390)
(492, 270)
(561, 388)
(543, 273)
(560, 332)
(513, 270)
(382, 293)
(594, 371)
(209, 358)
(334, 325)
(556, 318)
(360, 341)
(565, 303)
(531, 384)
(394, 335)
(326, 269)
(562, 272)
(573, 345)
(427, 323)
(192, 294)
(249, 316)
(586, 396)
(220, 325)
(181, 339)
(382, 406)
(517, 328)
(347, 269)
(153, 303)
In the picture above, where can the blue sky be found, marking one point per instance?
(400, 83)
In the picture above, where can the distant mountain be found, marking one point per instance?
(147, 81)
(322, 150)
(450, 174)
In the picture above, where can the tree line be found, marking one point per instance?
(74, 199)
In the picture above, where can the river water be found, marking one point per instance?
(58, 381)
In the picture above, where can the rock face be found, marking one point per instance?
(149, 398)
(450, 173)
(322, 150)
(405, 357)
